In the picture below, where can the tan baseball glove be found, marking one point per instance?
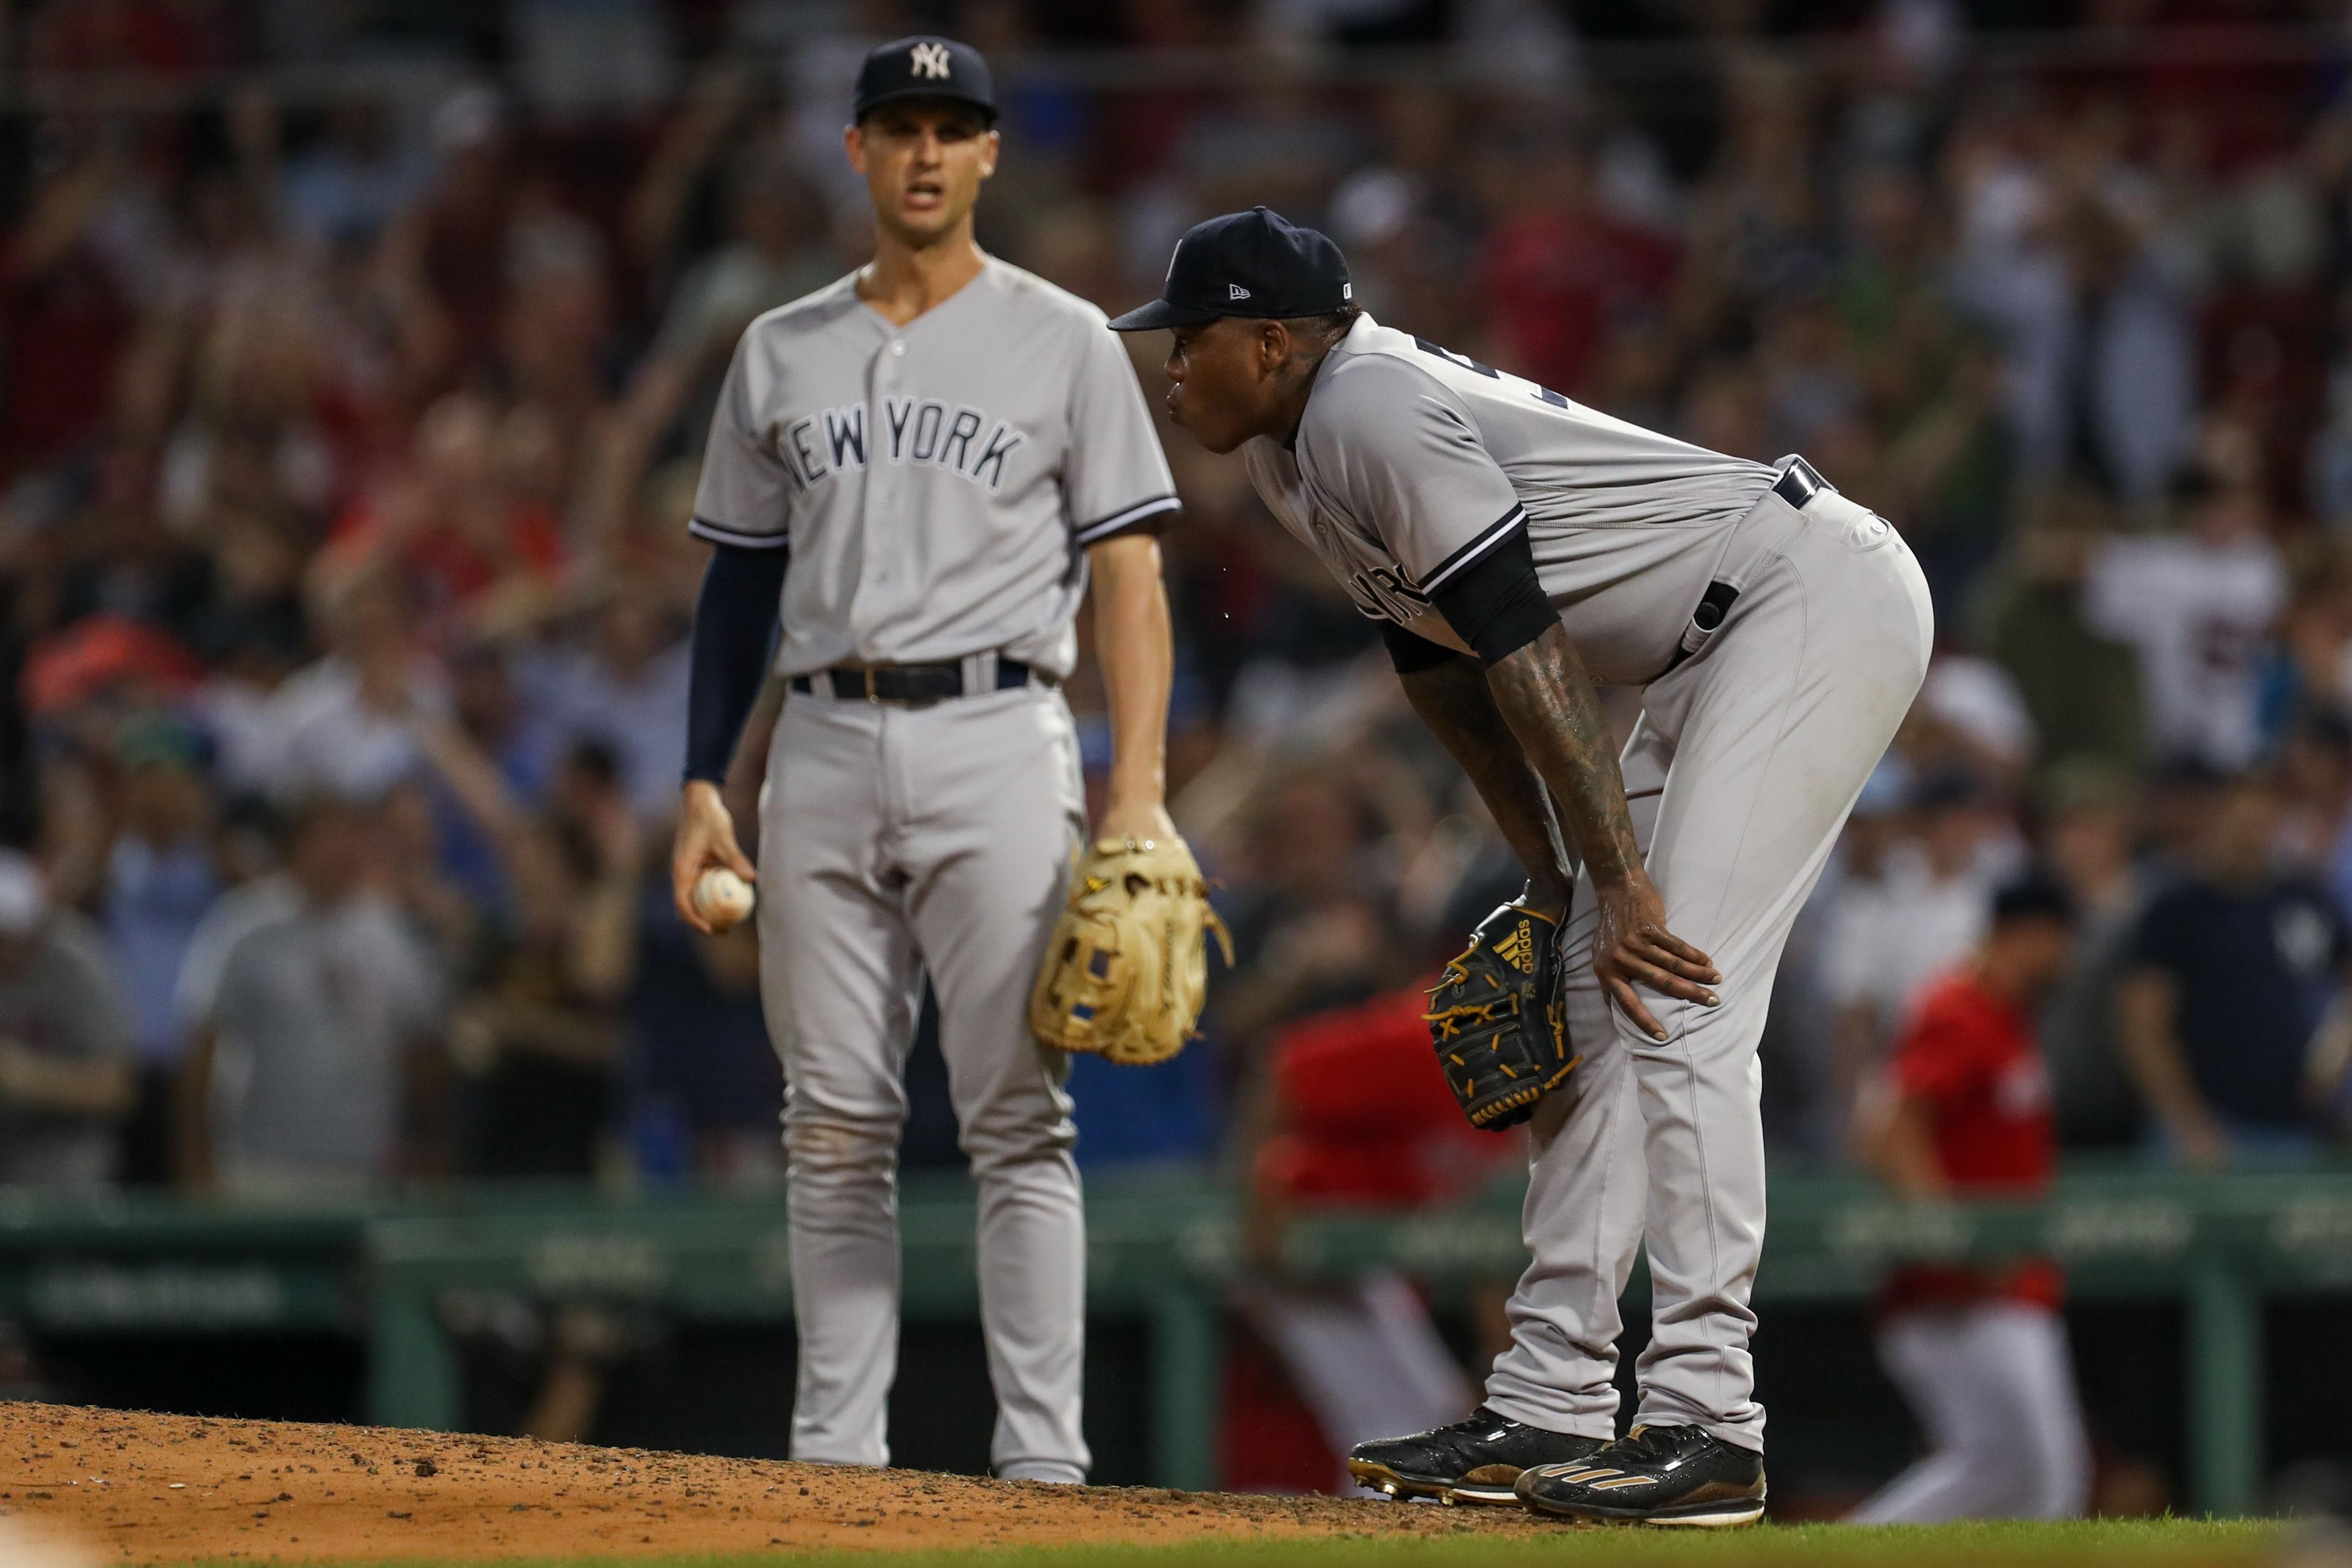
(1129, 965)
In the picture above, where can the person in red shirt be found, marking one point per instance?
(1356, 1116)
(1980, 1352)
(1561, 272)
(481, 555)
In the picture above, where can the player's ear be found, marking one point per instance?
(989, 144)
(1273, 346)
(853, 142)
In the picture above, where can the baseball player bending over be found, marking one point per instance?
(941, 445)
(1515, 549)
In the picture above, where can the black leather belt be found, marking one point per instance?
(1799, 483)
(912, 682)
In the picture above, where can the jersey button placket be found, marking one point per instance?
(893, 726)
(874, 538)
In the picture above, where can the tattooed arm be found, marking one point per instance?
(1545, 698)
(1453, 701)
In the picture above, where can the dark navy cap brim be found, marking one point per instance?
(1161, 314)
(936, 95)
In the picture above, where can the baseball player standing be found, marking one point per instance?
(942, 446)
(1515, 549)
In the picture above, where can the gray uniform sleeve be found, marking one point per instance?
(1395, 449)
(745, 493)
(1116, 477)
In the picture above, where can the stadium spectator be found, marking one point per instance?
(65, 308)
(355, 179)
(339, 725)
(2088, 819)
(2306, 676)
(1894, 927)
(477, 551)
(515, 738)
(1980, 1351)
(2198, 607)
(778, 253)
(534, 1037)
(1969, 719)
(2313, 761)
(67, 1077)
(1277, 141)
(1559, 269)
(2230, 974)
(315, 1013)
(165, 871)
(1309, 932)
(704, 1087)
(625, 692)
(2080, 686)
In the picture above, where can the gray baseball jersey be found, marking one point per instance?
(1411, 462)
(936, 483)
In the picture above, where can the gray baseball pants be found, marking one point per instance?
(896, 840)
(1740, 775)
(1993, 1384)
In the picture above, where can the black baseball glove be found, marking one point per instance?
(1498, 1018)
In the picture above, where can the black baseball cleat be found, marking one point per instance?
(1474, 1461)
(1653, 1475)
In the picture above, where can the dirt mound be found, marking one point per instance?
(145, 1489)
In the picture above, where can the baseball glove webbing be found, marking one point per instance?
(1497, 1018)
(1128, 967)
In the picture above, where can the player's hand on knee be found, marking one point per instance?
(706, 837)
(1632, 947)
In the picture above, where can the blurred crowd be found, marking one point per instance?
(347, 438)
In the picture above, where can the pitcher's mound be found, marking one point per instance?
(144, 1488)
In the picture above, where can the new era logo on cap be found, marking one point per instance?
(1247, 264)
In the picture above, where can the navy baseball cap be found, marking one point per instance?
(1255, 264)
(925, 66)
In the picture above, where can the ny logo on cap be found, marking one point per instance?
(1235, 291)
(929, 59)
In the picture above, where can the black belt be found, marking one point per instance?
(913, 682)
(1799, 483)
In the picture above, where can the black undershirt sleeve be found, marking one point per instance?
(1496, 603)
(734, 627)
(1411, 652)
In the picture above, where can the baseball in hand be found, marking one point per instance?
(722, 898)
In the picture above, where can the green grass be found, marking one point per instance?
(2094, 1544)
